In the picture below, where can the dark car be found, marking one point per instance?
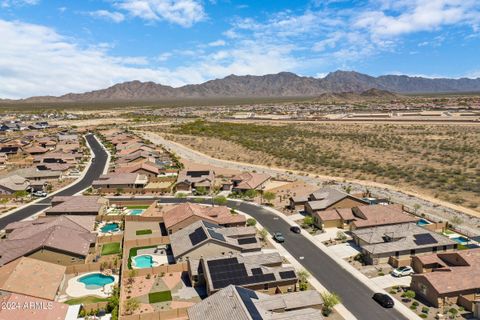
(278, 236)
(384, 300)
(295, 229)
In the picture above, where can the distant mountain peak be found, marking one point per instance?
(282, 84)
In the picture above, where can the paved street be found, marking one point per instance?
(94, 171)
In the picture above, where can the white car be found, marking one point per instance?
(402, 272)
(39, 193)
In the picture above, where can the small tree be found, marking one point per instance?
(118, 191)
(453, 313)
(269, 196)
(263, 234)
(308, 221)
(250, 194)
(341, 235)
(303, 276)
(330, 300)
(4, 201)
(409, 295)
(416, 207)
(181, 195)
(131, 305)
(201, 191)
(251, 222)
(348, 189)
(220, 200)
(20, 194)
(131, 276)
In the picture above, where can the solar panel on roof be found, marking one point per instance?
(247, 240)
(197, 236)
(287, 274)
(424, 238)
(209, 224)
(216, 235)
(256, 271)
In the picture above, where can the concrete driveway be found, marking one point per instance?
(344, 250)
(388, 280)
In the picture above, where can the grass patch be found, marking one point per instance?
(111, 248)
(137, 207)
(85, 300)
(133, 253)
(156, 297)
(143, 232)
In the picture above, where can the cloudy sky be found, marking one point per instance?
(52, 47)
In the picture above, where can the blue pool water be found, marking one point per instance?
(136, 212)
(96, 280)
(422, 222)
(144, 261)
(109, 227)
(461, 240)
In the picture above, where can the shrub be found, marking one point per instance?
(251, 222)
(423, 316)
(425, 310)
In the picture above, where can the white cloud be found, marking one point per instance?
(36, 60)
(109, 15)
(218, 43)
(395, 18)
(182, 12)
(14, 3)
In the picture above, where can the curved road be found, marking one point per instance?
(355, 295)
(93, 172)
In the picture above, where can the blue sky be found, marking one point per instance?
(52, 47)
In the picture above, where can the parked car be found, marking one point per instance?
(295, 229)
(384, 300)
(278, 236)
(39, 193)
(402, 271)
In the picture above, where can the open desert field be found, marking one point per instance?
(438, 160)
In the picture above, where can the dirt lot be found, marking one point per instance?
(437, 160)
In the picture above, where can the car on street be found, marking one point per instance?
(39, 193)
(295, 229)
(278, 236)
(384, 300)
(402, 271)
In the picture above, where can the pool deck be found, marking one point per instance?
(158, 259)
(77, 289)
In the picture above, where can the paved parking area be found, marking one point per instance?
(344, 250)
(388, 280)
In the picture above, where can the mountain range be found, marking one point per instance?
(283, 84)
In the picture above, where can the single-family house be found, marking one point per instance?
(14, 183)
(249, 181)
(78, 205)
(120, 181)
(327, 198)
(189, 180)
(235, 302)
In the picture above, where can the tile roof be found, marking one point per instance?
(399, 237)
(237, 303)
(147, 166)
(64, 234)
(15, 183)
(76, 204)
(249, 180)
(217, 214)
(326, 197)
(114, 178)
(196, 176)
(32, 277)
(462, 272)
(57, 311)
(184, 241)
(376, 215)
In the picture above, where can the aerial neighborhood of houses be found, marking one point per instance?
(102, 223)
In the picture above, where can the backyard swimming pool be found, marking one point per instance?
(109, 227)
(136, 212)
(143, 261)
(461, 240)
(96, 280)
(423, 222)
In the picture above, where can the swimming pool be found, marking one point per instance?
(461, 240)
(96, 280)
(143, 261)
(109, 227)
(423, 222)
(136, 212)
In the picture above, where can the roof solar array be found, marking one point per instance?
(287, 274)
(197, 236)
(247, 240)
(216, 235)
(424, 238)
(209, 224)
(224, 272)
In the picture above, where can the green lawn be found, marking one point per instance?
(110, 248)
(156, 297)
(137, 207)
(87, 299)
(143, 232)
